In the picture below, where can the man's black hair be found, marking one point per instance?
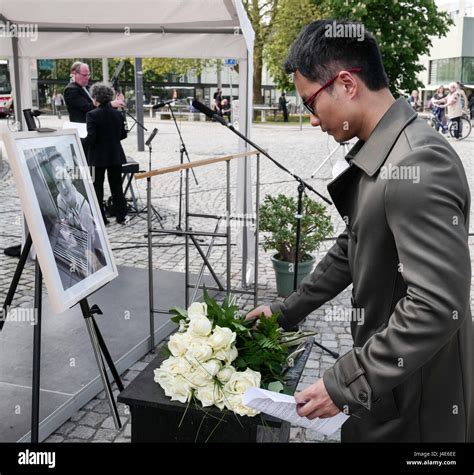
(319, 53)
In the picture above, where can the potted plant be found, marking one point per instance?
(277, 217)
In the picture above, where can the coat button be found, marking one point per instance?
(363, 396)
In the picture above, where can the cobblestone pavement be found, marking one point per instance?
(299, 150)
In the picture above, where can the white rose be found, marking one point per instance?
(176, 365)
(198, 378)
(234, 403)
(178, 344)
(165, 380)
(227, 355)
(222, 338)
(225, 374)
(181, 390)
(197, 309)
(198, 352)
(211, 367)
(211, 395)
(200, 326)
(241, 381)
(175, 387)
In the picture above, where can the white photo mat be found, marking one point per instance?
(62, 213)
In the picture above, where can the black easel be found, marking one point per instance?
(98, 344)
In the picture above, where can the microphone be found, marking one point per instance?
(163, 104)
(151, 137)
(209, 112)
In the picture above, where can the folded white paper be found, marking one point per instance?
(283, 407)
(80, 127)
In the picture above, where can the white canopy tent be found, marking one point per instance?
(124, 28)
(120, 28)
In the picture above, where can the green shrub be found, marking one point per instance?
(277, 217)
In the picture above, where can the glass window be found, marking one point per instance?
(446, 70)
(467, 71)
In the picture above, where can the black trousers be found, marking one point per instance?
(114, 176)
(457, 126)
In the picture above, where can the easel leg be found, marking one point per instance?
(35, 386)
(16, 277)
(86, 312)
(107, 356)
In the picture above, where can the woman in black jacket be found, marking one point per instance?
(105, 130)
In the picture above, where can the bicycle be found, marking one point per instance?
(15, 126)
(12, 124)
(451, 127)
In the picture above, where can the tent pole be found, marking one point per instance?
(139, 103)
(16, 74)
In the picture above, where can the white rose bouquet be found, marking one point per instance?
(216, 355)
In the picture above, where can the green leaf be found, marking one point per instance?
(179, 314)
(276, 386)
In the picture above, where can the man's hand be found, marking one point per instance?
(315, 401)
(257, 312)
(119, 101)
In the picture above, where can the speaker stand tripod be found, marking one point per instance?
(345, 150)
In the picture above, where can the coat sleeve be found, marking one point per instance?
(428, 220)
(75, 100)
(91, 124)
(331, 276)
(123, 131)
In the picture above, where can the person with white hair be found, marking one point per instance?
(105, 130)
(453, 106)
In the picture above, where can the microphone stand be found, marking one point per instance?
(149, 207)
(182, 151)
(135, 121)
(302, 185)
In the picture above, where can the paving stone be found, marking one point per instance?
(54, 438)
(66, 428)
(93, 419)
(91, 404)
(106, 435)
(82, 432)
(108, 423)
(312, 364)
(78, 415)
(122, 440)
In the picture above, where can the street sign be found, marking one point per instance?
(46, 64)
(230, 62)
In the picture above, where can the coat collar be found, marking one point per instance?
(369, 156)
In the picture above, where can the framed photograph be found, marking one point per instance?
(62, 213)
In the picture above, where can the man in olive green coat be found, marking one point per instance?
(405, 200)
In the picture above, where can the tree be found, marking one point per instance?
(290, 17)
(261, 14)
(403, 30)
(179, 66)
